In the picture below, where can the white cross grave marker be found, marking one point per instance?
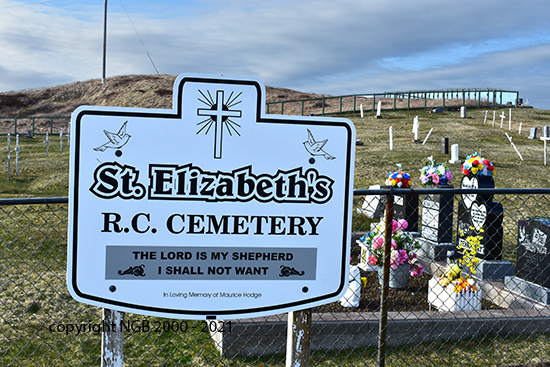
(502, 116)
(485, 120)
(494, 113)
(454, 154)
(391, 138)
(415, 124)
(379, 109)
(545, 139)
(427, 136)
(361, 107)
(9, 157)
(514, 146)
(17, 149)
(510, 120)
(47, 142)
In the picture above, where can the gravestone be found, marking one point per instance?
(546, 131)
(479, 215)
(416, 126)
(454, 154)
(533, 133)
(445, 146)
(29, 134)
(532, 278)
(404, 207)
(437, 225)
(47, 142)
(533, 251)
(17, 150)
(379, 110)
(463, 112)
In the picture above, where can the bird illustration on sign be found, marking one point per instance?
(316, 147)
(115, 141)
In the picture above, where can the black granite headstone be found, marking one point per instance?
(533, 251)
(486, 216)
(445, 146)
(477, 182)
(437, 218)
(404, 207)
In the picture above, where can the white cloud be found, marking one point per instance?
(317, 46)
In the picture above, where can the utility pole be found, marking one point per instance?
(104, 42)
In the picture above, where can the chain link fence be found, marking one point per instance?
(500, 318)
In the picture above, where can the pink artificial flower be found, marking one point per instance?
(394, 226)
(449, 176)
(416, 270)
(378, 242)
(398, 257)
(393, 244)
(403, 224)
(372, 260)
(435, 179)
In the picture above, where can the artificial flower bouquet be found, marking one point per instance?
(453, 277)
(454, 290)
(434, 173)
(475, 165)
(403, 246)
(399, 179)
(454, 274)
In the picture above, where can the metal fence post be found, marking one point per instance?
(297, 342)
(112, 339)
(385, 281)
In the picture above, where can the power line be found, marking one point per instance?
(140, 40)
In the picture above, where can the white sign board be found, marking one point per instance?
(212, 209)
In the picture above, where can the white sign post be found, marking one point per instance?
(211, 210)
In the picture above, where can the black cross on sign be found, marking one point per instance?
(218, 113)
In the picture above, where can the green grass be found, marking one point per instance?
(48, 176)
(33, 293)
(374, 160)
(39, 175)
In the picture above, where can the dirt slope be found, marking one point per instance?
(149, 91)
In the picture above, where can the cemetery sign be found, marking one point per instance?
(212, 209)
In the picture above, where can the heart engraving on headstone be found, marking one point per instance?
(478, 213)
(469, 183)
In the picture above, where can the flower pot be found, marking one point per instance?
(353, 294)
(399, 277)
(446, 299)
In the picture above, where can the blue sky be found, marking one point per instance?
(321, 46)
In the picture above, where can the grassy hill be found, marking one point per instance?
(41, 175)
